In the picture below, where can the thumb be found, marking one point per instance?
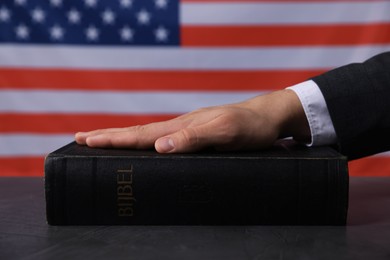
(185, 140)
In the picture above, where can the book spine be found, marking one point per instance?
(195, 191)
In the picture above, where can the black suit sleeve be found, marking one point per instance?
(358, 99)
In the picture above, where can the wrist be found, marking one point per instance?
(285, 114)
(293, 118)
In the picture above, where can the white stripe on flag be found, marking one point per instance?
(31, 144)
(114, 102)
(184, 58)
(261, 13)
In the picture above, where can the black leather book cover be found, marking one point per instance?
(285, 185)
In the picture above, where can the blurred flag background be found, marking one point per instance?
(78, 65)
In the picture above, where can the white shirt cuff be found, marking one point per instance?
(314, 105)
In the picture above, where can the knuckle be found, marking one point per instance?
(137, 135)
(138, 128)
(190, 137)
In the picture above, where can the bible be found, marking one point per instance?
(288, 184)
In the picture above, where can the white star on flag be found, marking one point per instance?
(57, 32)
(90, 3)
(38, 15)
(74, 16)
(22, 32)
(108, 17)
(161, 34)
(126, 33)
(143, 17)
(56, 3)
(126, 3)
(5, 14)
(92, 33)
(20, 2)
(161, 4)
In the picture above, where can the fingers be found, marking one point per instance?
(81, 137)
(139, 137)
(143, 136)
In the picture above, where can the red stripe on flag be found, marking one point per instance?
(285, 35)
(71, 123)
(56, 79)
(370, 166)
(21, 166)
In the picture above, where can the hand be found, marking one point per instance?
(253, 124)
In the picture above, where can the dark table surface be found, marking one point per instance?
(24, 233)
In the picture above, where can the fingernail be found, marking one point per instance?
(80, 137)
(165, 145)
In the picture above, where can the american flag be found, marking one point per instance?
(78, 65)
